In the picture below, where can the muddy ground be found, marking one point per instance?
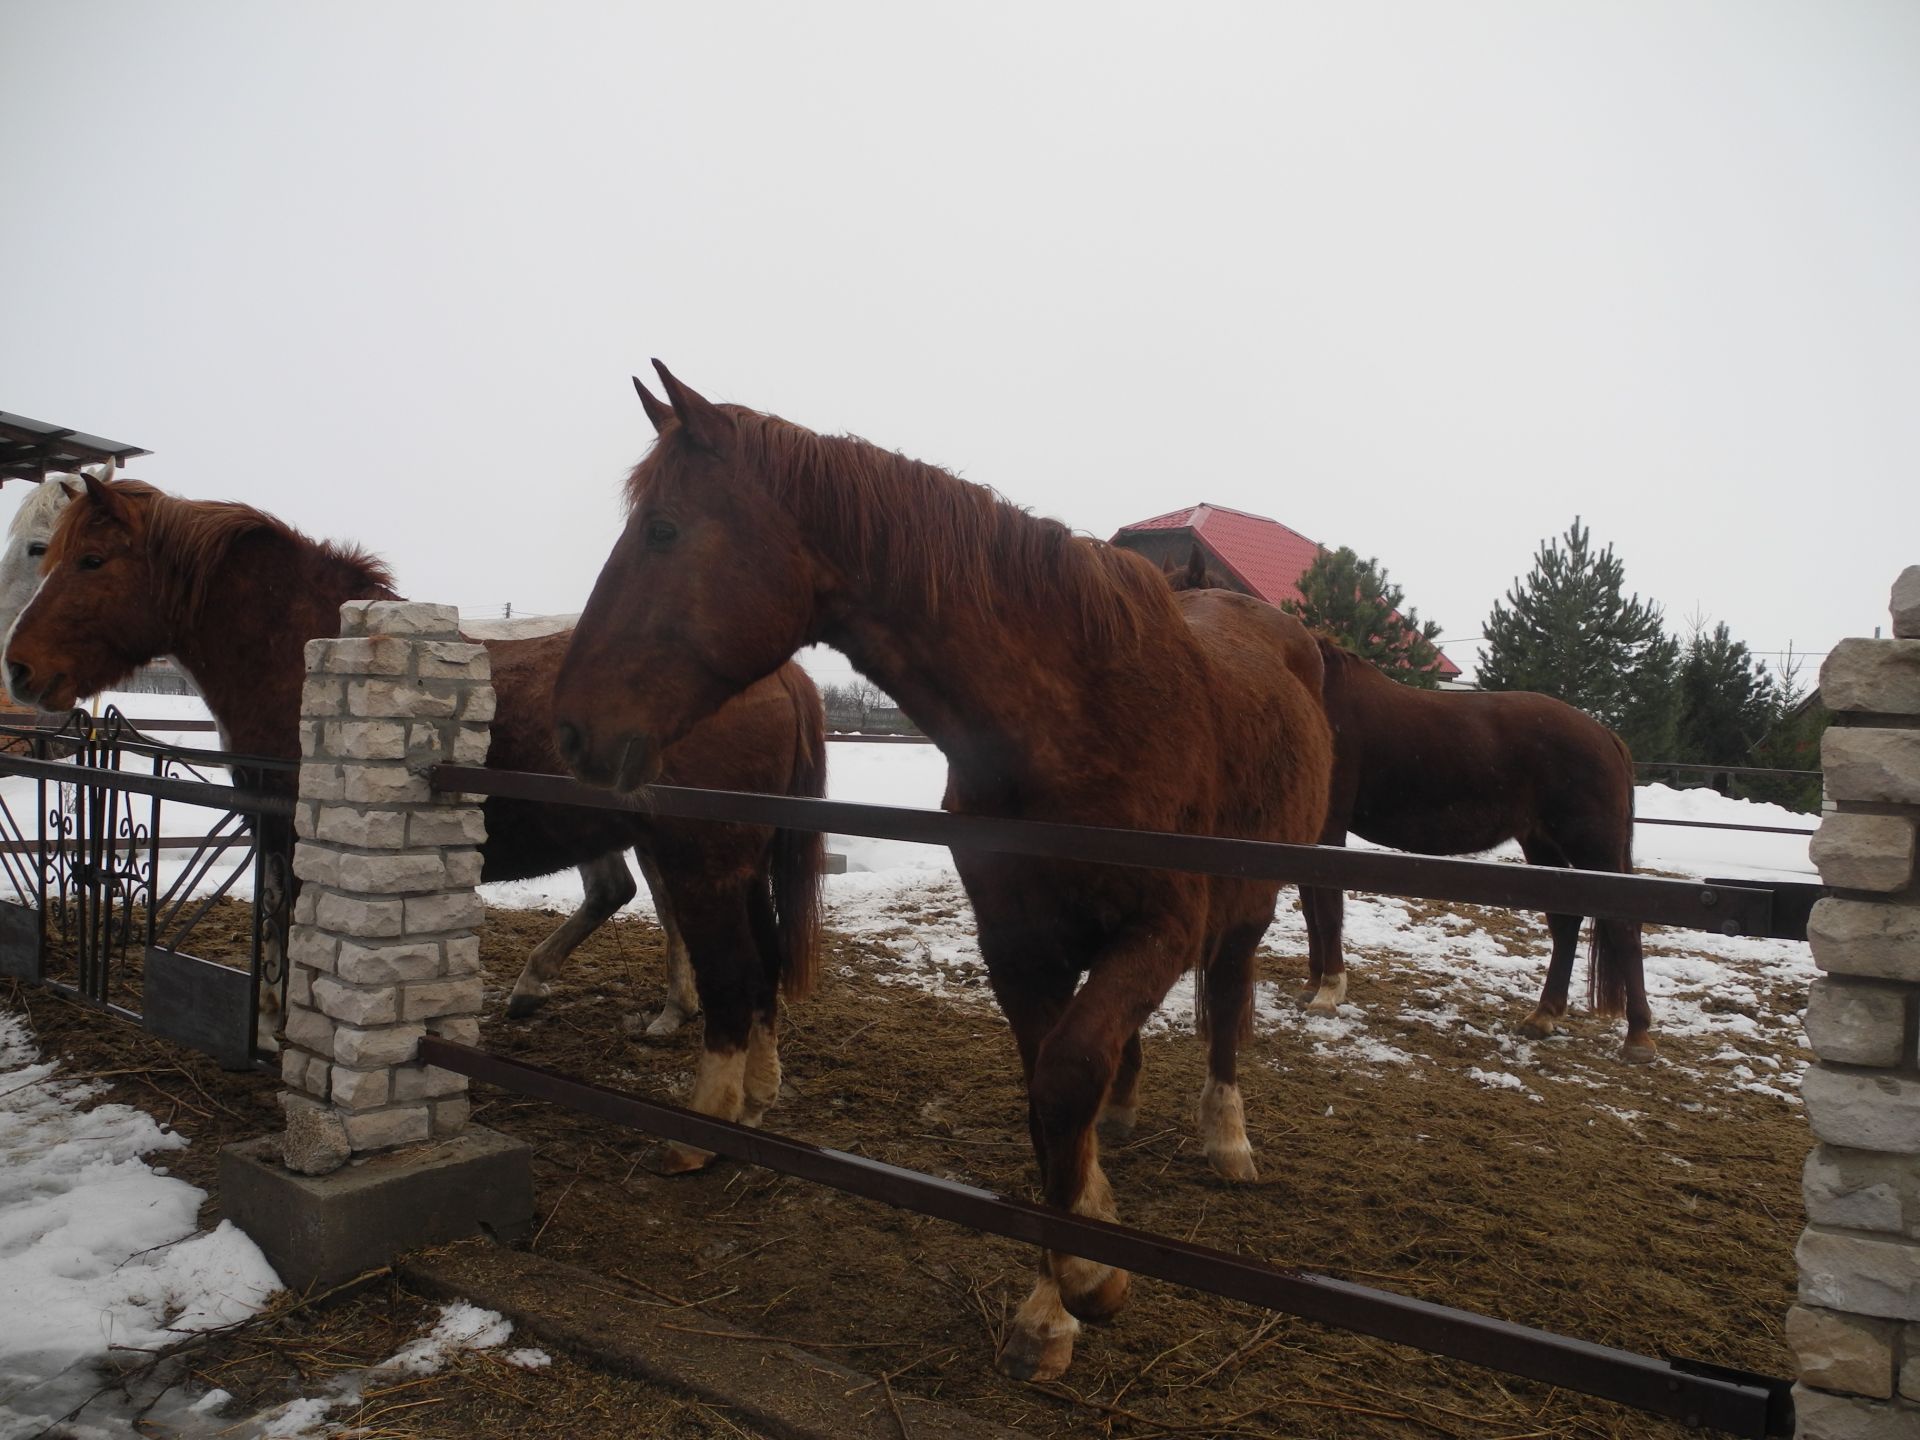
(1657, 1213)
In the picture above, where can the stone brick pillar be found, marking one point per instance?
(383, 947)
(1856, 1330)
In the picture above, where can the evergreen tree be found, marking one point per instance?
(1728, 700)
(1569, 630)
(1352, 601)
(1792, 742)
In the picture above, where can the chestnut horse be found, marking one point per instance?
(1063, 681)
(234, 594)
(1441, 772)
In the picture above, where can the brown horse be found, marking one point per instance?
(1456, 772)
(1063, 681)
(234, 594)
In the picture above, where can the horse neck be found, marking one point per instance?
(988, 673)
(246, 648)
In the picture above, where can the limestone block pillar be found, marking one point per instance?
(383, 947)
(1856, 1331)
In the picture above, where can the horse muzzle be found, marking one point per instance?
(26, 688)
(623, 765)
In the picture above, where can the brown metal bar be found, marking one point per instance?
(1744, 1407)
(1724, 909)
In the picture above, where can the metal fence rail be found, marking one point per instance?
(1746, 909)
(1695, 1394)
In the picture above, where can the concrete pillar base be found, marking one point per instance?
(321, 1230)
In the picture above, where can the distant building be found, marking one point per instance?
(1248, 553)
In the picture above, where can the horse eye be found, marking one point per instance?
(662, 533)
(92, 562)
(36, 550)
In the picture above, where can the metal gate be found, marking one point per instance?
(99, 901)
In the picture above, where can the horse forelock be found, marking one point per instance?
(186, 540)
(972, 548)
(40, 509)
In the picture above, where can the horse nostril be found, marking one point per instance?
(19, 673)
(567, 738)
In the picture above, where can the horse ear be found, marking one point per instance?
(1197, 570)
(700, 417)
(104, 499)
(73, 488)
(658, 411)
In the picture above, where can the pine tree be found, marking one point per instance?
(1792, 742)
(1569, 630)
(1352, 601)
(1728, 700)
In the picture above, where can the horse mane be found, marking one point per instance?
(979, 550)
(186, 540)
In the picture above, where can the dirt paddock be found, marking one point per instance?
(1653, 1208)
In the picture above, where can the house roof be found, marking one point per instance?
(1264, 555)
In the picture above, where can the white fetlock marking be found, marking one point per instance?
(668, 1020)
(1095, 1201)
(1331, 994)
(718, 1084)
(1223, 1126)
(762, 1079)
(1042, 1313)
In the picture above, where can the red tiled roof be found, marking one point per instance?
(1264, 555)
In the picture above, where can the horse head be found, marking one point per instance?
(92, 620)
(709, 587)
(27, 536)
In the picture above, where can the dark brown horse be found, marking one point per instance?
(234, 594)
(1063, 681)
(1456, 772)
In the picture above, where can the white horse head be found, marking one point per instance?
(27, 539)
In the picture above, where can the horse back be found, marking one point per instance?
(1450, 772)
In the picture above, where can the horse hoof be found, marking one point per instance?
(1036, 1355)
(667, 1022)
(519, 1007)
(678, 1159)
(1538, 1027)
(1234, 1164)
(1103, 1301)
(1116, 1125)
(1320, 1006)
(1639, 1052)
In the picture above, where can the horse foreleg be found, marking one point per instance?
(609, 885)
(1545, 1019)
(683, 1001)
(1326, 966)
(1122, 1107)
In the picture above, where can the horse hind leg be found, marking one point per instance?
(1227, 1011)
(609, 885)
(737, 1000)
(682, 1000)
(1325, 912)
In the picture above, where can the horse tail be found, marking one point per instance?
(1607, 964)
(800, 856)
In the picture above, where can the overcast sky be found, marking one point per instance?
(1423, 279)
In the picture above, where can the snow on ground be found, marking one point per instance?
(99, 1252)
